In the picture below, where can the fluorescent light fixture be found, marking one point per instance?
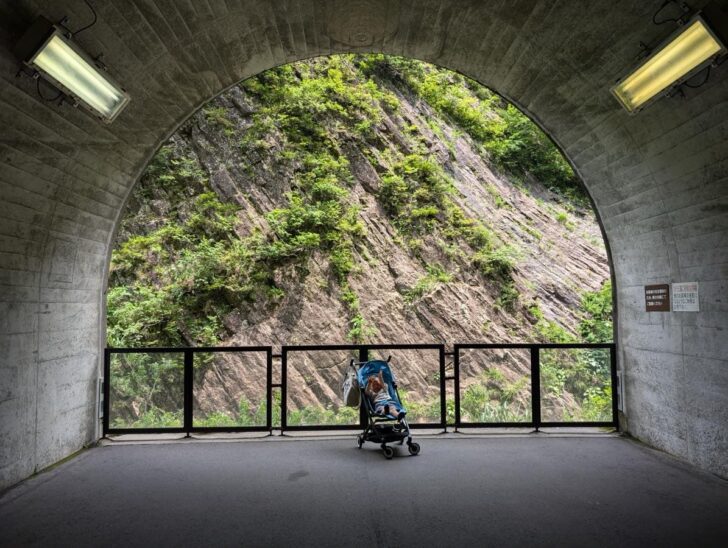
(681, 56)
(67, 67)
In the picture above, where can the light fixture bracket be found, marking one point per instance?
(47, 51)
(686, 52)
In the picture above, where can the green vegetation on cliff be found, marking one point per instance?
(513, 141)
(173, 284)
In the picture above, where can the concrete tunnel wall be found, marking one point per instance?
(658, 179)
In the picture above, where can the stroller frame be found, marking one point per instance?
(380, 429)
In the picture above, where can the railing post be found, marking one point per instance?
(615, 385)
(443, 390)
(269, 390)
(188, 388)
(107, 391)
(363, 357)
(456, 374)
(284, 388)
(535, 387)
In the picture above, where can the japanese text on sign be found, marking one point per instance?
(657, 298)
(685, 297)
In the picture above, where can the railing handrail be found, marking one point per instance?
(353, 346)
(180, 349)
(535, 345)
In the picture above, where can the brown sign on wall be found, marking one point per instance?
(657, 298)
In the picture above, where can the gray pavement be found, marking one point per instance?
(537, 490)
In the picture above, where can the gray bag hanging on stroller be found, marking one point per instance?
(350, 390)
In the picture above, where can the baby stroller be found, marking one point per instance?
(382, 429)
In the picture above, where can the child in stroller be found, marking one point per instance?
(382, 402)
(380, 399)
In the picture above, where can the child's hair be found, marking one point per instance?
(374, 381)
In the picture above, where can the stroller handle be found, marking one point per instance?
(353, 362)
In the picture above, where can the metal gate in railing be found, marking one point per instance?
(157, 390)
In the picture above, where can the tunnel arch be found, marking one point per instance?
(657, 181)
(195, 140)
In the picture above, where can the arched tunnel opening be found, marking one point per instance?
(354, 200)
(656, 176)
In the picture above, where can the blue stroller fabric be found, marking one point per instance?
(373, 367)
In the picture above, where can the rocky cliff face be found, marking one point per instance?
(370, 215)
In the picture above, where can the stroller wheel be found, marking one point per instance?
(359, 441)
(414, 448)
(388, 452)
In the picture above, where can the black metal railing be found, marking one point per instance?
(185, 417)
(535, 354)
(363, 354)
(187, 421)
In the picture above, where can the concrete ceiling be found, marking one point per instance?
(658, 179)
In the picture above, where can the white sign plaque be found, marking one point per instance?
(685, 297)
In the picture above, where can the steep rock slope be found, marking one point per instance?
(353, 199)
